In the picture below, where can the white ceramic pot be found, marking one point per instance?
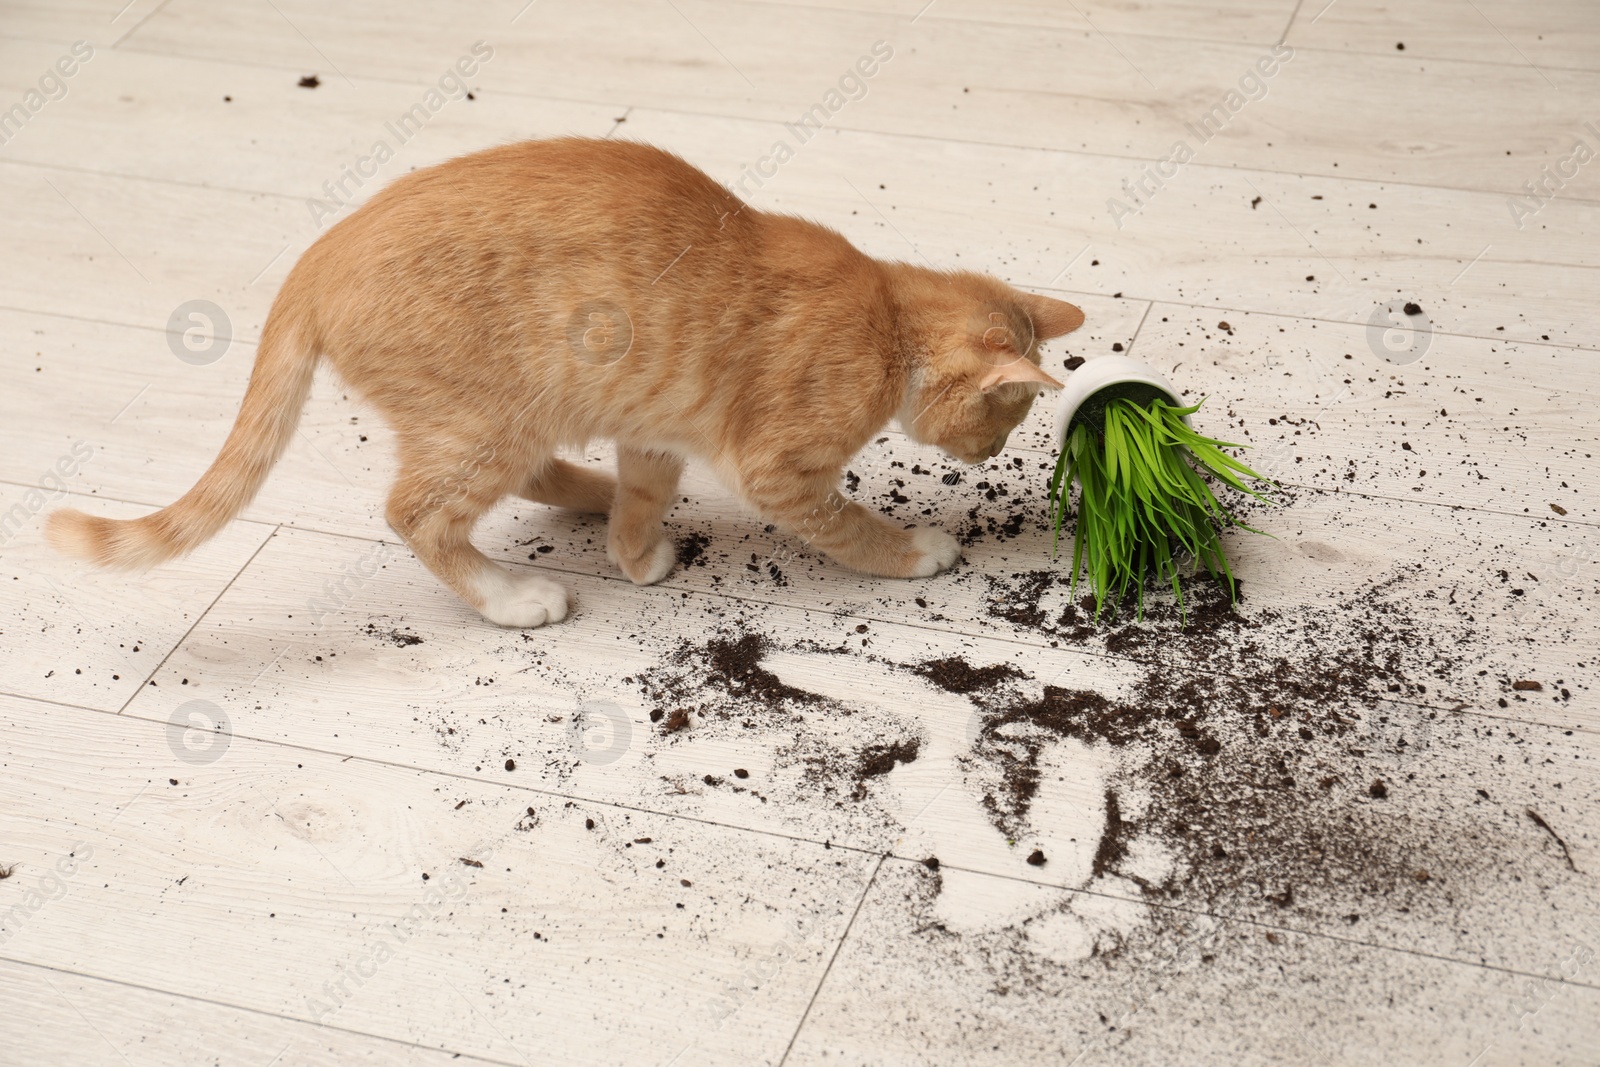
(1101, 373)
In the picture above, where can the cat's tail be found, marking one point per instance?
(279, 386)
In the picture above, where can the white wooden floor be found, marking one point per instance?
(1361, 826)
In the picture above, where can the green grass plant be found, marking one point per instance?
(1145, 501)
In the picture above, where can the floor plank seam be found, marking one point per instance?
(116, 323)
(265, 541)
(135, 27)
(1134, 338)
(837, 948)
(1444, 706)
(462, 776)
(1565, 346)
(1002, 638)
(882, 854)
(238, 190)
(1502, 339)
(1283, 37)
(1245, 920)
(199, 999)
(617, 123)
(956, 23)
(1496, 194)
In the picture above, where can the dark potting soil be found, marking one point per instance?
(728, 664)
(878, 760)
(981, 527)
(392, 635)
(1252, 741)
(734, 665)
(722, 681)
(1246, 743)
(955, 675)
(1021, 599)
(692, 549)
(1113, 846)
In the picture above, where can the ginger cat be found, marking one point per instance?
(501, 306)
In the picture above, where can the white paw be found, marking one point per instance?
(654, 566)
(935, 551)
(662, 561)
(522, 600)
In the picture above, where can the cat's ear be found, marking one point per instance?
(1050, 317)
(1016, 371)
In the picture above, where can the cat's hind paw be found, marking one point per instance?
(932, 551)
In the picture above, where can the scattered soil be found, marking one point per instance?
(1246, 738)
(1016, 729)
(392, 635)
(1236, 756)
(723, 684)
(734, 664)
(1113, 839)
(1260, 746)
(310, 81)
(878, 760)
(692, 550)
(955, 675)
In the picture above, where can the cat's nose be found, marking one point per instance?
(998, 446)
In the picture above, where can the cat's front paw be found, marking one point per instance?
(523, 600)
(646, 567)
(932, 551)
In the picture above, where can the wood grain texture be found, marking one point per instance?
(1257, 21)
(62, 1017)
(1214, 233)
(255, 129)
(329, 890)
(1202, 991)
(1556, 33)
(1327, 113)
(400, 672)
(92, 638)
